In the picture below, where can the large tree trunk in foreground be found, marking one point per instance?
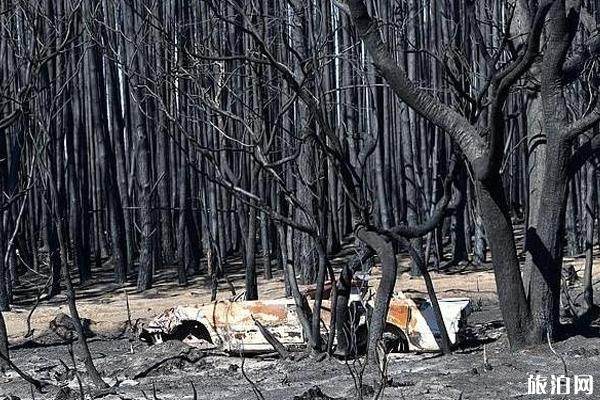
(545, 243)
(536, 148)
(498, 226)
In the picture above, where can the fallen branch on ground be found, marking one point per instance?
(273, 341)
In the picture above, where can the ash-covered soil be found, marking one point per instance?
(172, 368)
(483, 368)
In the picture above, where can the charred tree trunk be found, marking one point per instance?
(511, 295)
(250, 245)
(4, 299)
(95, 88)
(147, 256)
(3, 343)
(457, 228)
(387, 258)
(591, 212)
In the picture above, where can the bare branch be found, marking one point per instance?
(427, 106)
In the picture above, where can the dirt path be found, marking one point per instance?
(105, 303)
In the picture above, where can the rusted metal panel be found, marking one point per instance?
(399, 314)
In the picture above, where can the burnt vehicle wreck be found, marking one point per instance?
(232, 326)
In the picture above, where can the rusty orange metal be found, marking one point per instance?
(399, 314)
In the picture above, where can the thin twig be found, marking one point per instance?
(556, 354)
(194, 391)
(37, 302)
(255, 388)
(128, 310)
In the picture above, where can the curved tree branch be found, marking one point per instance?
(436, 112)
(441, 210)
